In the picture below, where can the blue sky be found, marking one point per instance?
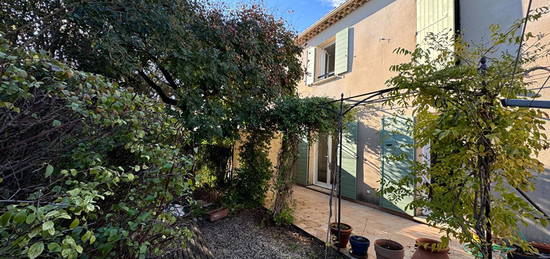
(299, 14)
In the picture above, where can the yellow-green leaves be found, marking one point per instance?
(35, 250)
(49, 171)
(54, 247)
(30, 218)
(130, 177)
(20, 217)
(5, 218)
(475, 142)
(48, 226)
(75, 223)
(88, 236)
(10, 106)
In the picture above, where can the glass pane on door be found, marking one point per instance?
(333, 165)
(322, 160)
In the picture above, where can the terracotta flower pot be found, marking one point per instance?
(388, 249)
(427, 253)
(217, 214)
(516, 255)
(345, 232)
(542, 247)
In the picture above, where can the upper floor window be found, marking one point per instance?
(328, 59)
(328, 55)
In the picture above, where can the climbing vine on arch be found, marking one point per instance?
(298, 119)
(481, 148)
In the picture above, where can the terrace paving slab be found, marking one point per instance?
(311, 214)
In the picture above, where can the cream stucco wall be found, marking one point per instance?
(375, 33)
(542, 193)
(380, 26)
(476, 17)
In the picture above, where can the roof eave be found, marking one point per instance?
(331, 18)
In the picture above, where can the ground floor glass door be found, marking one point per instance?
(326, 161)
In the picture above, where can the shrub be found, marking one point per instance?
(88, 168)
(251, 181)
(285, 217)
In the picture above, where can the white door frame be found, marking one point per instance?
(316, 163)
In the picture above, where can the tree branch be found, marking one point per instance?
(168, 77)
(158, 90)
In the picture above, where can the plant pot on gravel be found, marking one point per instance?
(359, 246)
(520, 255)
(427, 248)
(217, 214)
(542, 247)
(388, 249)
(345, 232)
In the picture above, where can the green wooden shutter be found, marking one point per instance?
(341, 52)
(434, 16)
(301, 168)
(310, 66)
(396, 142)
(349, 161)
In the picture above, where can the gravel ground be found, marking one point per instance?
(244, 236)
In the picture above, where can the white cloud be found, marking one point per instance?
(335, 3)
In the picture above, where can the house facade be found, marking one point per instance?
(350, 51)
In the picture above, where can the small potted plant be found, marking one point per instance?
(345, 231)
(519, 253)
(427, 248)
(543, 248)
(388, 249)
(217, 214)
(214, 212)
(359, 246)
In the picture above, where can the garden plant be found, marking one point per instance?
(114, 111)
(481, 151)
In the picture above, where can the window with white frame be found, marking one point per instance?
(328, 59)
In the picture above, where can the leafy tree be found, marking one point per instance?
(87, 168)
(480, 148)
(221, 74)
(219, 68)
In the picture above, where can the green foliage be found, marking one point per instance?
(479, 148)
(223, 74)
(298, 118)
(306, 117)
(221, 68)
(285, 217)
(215, 161)
(293, 118)
(435, 247)
(251, 180)
(99, 185)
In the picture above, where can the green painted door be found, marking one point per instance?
(300, 167)
(396, 142)
(349, 161)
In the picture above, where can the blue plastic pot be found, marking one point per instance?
(359, 245)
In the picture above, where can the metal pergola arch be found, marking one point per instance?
(377, 97)
(367, 98)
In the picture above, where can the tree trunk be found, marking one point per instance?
(485, 161)
(285, 173)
